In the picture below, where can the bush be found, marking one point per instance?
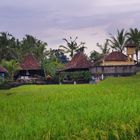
(76, 76)
(1, 80)
(87, 75)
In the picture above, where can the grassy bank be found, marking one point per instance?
(109, 110)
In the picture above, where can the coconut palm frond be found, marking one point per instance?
(118, 41)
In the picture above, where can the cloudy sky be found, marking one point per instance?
(52, 20)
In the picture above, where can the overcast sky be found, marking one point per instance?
(52, 20)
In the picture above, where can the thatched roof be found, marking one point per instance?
(30, 63)
(2, 70)
(79, 61)
(116, 56)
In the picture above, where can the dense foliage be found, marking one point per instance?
(12, 52)
(77, 76)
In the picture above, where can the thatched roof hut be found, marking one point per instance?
(30, 67)
(78, 62)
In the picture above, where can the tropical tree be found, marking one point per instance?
(72, 46)
(8, 46)
(40, 50)
(134, 36)
(81, 47)
(95, 56)
(12, 66)
(57, 54)
(118, 41)
(51, 66)
(104, 48)
(30, 44)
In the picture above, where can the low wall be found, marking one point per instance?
(138, 68)
(113, 70)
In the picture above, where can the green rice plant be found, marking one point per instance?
(105, 111)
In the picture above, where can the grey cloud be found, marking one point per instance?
(41, 17)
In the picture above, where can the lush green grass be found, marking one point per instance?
(106, 111)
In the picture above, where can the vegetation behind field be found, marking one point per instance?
(109, 110)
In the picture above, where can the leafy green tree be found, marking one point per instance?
(30, 44)
(72, 46)
(104, 48)
(8, 46)
(118, 41)
(95, 56)
(40, 51)
(57, 54)
(12, 66)
(51, 66)
(134, 36)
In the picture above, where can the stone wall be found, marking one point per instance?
(113, 70)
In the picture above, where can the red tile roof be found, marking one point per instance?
(116, 56)
(2, 70)
(79, 61)
(30, 63)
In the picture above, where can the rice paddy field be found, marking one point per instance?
(109, 110)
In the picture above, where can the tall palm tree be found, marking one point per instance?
(104, 48)
(40, 50)
(7, 46)
(81, 47)
(28, 44)
(134, 36)
(118, 41)
(72, 46)
(32, 45)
